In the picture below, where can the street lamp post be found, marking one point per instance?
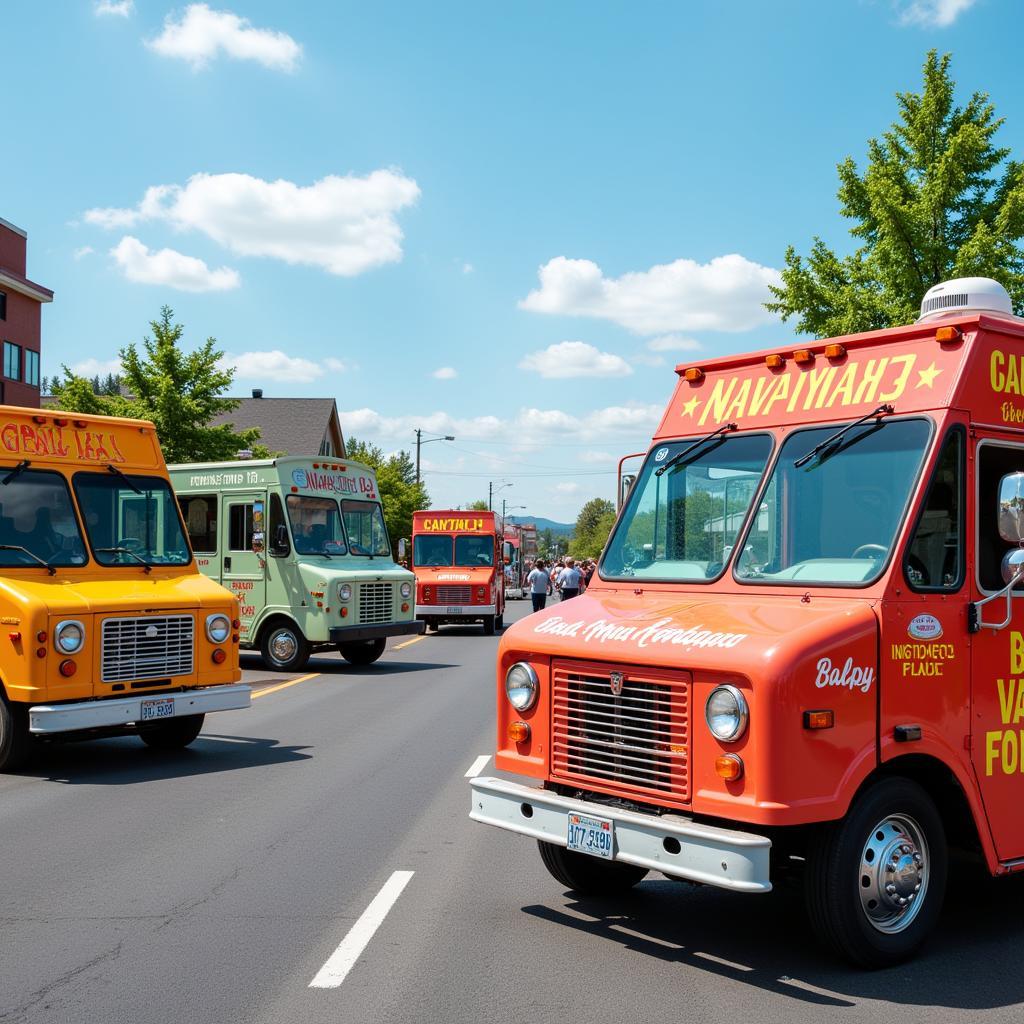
(420, 441)
(511, 508)
(492, 490)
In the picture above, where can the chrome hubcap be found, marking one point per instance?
(283, 646)
(893, 873)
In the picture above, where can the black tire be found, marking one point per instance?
(588, 875)
(365, 652)
(172, 734)
(15, 739)
(891, 836)
(499, 622)
(283, 647)
(488, 625)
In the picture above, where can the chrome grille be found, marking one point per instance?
(150, 647)
(376, 602)
(454, 595)
(636, 743)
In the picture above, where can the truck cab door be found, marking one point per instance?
(243, 543)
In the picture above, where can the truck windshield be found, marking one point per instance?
(37, 521)
(364, 524)
(131, 519)
(432, 549)
(316, 525)
(471, 550)
(682, 524)
(833, 520)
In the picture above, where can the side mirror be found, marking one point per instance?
(1011, 508)
(402, 547)
(281, 536)
(625, 486)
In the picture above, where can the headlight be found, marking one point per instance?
(69, 637)
(344, 591)
(218, 628)
(522, 686)
(726, 713)
(406, 589)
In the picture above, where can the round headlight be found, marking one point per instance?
(406, 589)
(344, 591)
(69, 637)
(521, 686)
(726, 713)
(218, 628)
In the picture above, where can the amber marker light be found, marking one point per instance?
(819, 719)
(219, 656)
(834, 351)
(803, 356)
(948, 334)
(518, 732)
(775, 361)
(68, 668)
(729, 767)
(694, 374)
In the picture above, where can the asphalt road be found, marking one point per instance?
(216, 884)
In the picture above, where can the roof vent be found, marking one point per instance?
(965, 295)
(257, 392)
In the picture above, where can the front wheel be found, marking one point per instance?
(15, 739)
(875, 880)
(284, 648)
(488, 625)
(588, 875)
(365, 652)
(171, 734)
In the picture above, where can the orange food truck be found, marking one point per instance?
(457, 559)
(803, 652)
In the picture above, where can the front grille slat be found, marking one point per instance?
(127, 653)
(454, 595)
(635, 744)
(376, 602)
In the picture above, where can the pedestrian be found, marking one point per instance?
(569, 580)
(588, 573)
(540, 585)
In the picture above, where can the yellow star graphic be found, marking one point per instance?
(690, 407)
(927, 377)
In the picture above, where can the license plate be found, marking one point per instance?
(453, 611)
(595, 836)
(163, 708)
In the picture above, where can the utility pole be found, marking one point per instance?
(420, 441)
(490, 493)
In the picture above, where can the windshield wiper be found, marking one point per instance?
(18, 469)
(724, 428)
(126, 551)
(831, 444)
(17, 547)
(113, 469)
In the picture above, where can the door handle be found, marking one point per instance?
(227, 563)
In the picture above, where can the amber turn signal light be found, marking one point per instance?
(834, 351)
(694, 374)
(518, 732)
(729, 767)
(775, 361)
(948, 334)
(219, 656)
(803, 355)
(819, 719)
(68, 668)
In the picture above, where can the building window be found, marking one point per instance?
(325, 446)
(3, 305)
(31, 367)
(12, 361)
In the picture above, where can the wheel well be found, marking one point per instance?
(276, 620)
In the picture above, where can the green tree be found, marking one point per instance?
(477, 506)
(937, 200)
(593, 524)
(400, 494)
(180, 392)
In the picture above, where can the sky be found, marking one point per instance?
(503, 222)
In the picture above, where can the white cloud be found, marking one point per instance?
(725, 294)
(567, 488)
(575, 359)
(121, 8)
(96, 367)
(595, 458)
(171, 268)
(345, 225)
(933, 13)
(83, 251)
(201, 34)
(336, 365)
(673, 343)
(445, 373)
(273, 365)
(467, 268)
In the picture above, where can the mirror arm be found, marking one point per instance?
(975, 622)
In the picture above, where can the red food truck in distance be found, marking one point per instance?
(457, 558)
(803, 651)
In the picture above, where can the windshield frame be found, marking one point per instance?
(73, 505)
(648, 468)
(291, 499)
(895, 547)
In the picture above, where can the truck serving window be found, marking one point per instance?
(131, 519)
(432, 549)
(37, 520)
(471, 550)
(364, 524)
(682, 523)
(316, 525)
(833, 520)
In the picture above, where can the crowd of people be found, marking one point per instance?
(566, 577)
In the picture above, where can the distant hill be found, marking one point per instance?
(558, 529)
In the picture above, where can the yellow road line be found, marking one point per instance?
(414, 640)
(284, 686)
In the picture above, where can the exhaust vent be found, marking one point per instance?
(965, 295)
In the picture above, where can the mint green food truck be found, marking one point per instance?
(302, 544)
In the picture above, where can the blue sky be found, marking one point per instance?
(502, 222)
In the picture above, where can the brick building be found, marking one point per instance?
(21, 303)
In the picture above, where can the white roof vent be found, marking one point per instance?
(965, 295)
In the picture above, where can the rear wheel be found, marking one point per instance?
(15, 739)
(365, 652)
(284, 648)
(488, 625)
(587, 875)
(172, 734)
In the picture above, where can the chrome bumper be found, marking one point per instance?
(714, 856)
(47, 720)
(450, 611)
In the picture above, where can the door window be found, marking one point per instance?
(279, 544)
(994, 462)
(240, 527)
(200, 514)
(935, 556)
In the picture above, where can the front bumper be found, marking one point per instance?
(353, 634)
(708, 854)
(450, 611)
(51, 719)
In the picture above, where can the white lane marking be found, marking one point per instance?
(721, 960)
(477, 766)
(343, 959)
